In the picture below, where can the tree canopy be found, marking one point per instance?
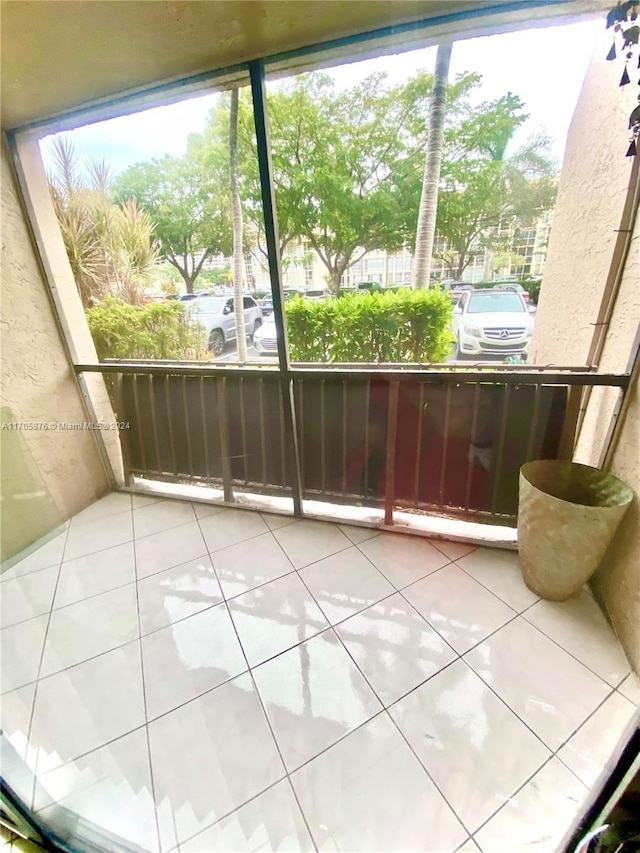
(189, 204)
(348, 167)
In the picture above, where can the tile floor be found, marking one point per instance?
(194, 678)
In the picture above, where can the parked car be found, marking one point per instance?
(265, 340)
(216, 314)
(491, 322)
(516, 287)
(266, 304)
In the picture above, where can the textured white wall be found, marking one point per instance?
(38, 385)
(593, 187)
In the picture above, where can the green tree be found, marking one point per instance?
(188, 202)
(482, 186)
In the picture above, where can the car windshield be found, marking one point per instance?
(210, 304)
(492, 303)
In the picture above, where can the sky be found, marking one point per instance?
(544, 67)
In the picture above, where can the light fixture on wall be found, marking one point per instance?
(624, 20)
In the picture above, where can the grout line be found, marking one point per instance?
(499, 597)
(385, 710)
(37, 680)
(566, 651)
(266, 716)
(144, 690)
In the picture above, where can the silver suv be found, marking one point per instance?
(491, 322)
(216, 314)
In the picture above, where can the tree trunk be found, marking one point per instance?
(238, 257)
(429, 199)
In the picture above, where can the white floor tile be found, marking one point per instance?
(177, 593)
(249, 564)
(21, 652)
(138, 501)
(42, 557)
(84, 707)
(358, 534)
(168, 549)
(474, 748)
(27, 596)
(394, 647)
(95, 573)
(275, 617)
(274, 522)
(111, 504)
(630, 688)
(580, 627)
(469, 847)
(205, 510)
(161, 516)
(15, 717)
(305, 542)
(230, 527)
(270, 822)
(499, 571)
(460, 609)
(345, 583)
(111, 788)
(313, 695)
(537, 817)
(369, 793)
(210, 756)
(89, 628)
(547, 688)
(403, 559)
(92, 536)
(595, 745)
(188, 658)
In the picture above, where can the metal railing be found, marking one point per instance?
(446, 440)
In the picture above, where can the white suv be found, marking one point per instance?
(216, 314)
(491, 322)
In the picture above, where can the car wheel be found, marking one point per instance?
(459, 355)
(216, 342)
(256, 326)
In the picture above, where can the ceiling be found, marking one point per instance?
(59, 55)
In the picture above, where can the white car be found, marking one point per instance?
(491, 322)
(265, 340)
(216, 314)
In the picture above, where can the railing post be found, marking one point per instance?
(392, 429)
(221, 387)
(261, 118)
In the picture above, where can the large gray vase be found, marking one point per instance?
(568, 514)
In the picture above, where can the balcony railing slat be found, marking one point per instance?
(390, 474)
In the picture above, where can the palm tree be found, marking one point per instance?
(427, 211)
(111, 249)
(237, 229)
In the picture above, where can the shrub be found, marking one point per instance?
(162, 330)
(408, 326)
(533, 288)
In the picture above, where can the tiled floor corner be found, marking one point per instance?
(196, 678)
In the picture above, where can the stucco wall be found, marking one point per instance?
(46, 475)
(593, 184)
(593, 187)
(617, 582)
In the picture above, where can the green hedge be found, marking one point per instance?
(161, 330)
(408, 326)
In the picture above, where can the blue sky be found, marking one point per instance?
(545, 67)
